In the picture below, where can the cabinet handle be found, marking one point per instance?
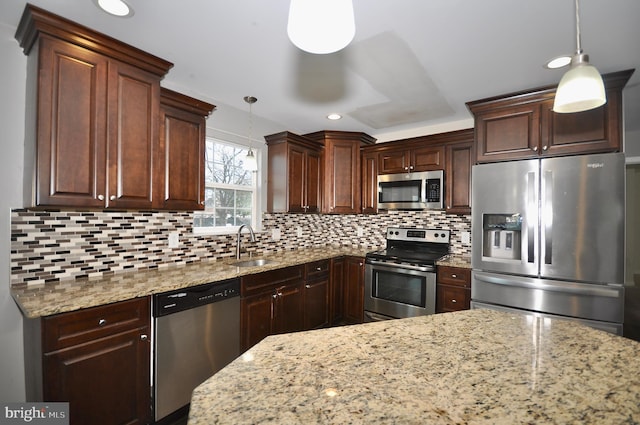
(544, 148)
(102, 322)
(100, 197)
(144, 337)
(112, 197)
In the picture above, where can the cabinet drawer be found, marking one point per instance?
(457, 276)
(316, 269)
(453, 298)
(67, 329)
(266, 281)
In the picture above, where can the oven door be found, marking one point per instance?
(399, 291)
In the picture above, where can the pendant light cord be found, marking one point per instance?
(578, 44)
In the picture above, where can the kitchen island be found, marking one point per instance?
(469, 367)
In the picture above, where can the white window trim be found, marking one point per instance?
(256, 222)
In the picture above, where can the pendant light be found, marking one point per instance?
(250, 163)
(321, 26)
(581, 87)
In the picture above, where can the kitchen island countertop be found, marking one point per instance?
(468, 367)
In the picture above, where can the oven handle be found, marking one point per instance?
(400, 266)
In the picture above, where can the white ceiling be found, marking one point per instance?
(409, 71)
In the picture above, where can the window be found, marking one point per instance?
(230, 190)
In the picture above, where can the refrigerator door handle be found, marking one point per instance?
(585, 289)
(547, 215)
(531, 223)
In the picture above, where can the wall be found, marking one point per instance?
(12, 113)
(632, 230)
(65, 245)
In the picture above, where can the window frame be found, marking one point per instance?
(255, 189)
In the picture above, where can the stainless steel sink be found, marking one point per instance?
(252, 263)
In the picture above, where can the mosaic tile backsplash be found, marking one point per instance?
(62, 245)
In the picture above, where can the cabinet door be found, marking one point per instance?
(354, 290)
(105, 381)
(316, 303)
(369, 183)
(509, 133)
(342, 177)
(391, 162)
(427, 159)
(336, 301)
(71, 126)
(255, 319)
(312, 180)
(134, 107)
(452, 298)
(457, 176)
(582, 132)
(287, 316)
(297, 189)
(179, 173)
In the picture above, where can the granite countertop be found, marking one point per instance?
(468, 367)
(453, 260)
(70, 295)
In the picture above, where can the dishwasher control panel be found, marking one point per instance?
(194, 296)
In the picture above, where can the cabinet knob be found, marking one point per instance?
(535, 149)
(144, 337)
(307, 286)
(411, 167)
(454, 301)
(360, 264)
(318, 268)
(112, 197)
(102, 322)
(544, 148)
(274, 296)
(454, 276)
(100, 197)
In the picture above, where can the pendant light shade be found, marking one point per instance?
(581, 87)
(321, 26)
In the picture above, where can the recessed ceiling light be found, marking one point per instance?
(115, 7)
(558, 62)
(334, 116)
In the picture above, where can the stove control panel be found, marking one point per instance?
(417, 234)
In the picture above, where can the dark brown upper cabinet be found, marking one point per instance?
(179, 180)
(523, 125)
(341, 170)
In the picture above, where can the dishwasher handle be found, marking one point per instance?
(184, 299)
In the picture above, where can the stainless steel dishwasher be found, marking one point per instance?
(197, 333)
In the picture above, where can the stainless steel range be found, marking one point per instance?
(400, 281)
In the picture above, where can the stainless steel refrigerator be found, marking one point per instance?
(548, 238)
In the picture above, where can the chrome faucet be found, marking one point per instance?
(253, 239)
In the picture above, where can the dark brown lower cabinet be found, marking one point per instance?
(271, 303)
(336, 284)
(316, 295)
(97, 359)
(453, 289)
(354, 290)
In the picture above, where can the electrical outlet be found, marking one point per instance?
(299, 232)
(466, 238)
(275, 234)
(174, 239)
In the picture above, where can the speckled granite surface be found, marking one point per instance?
(470, 367)
(455, 261)
(72, 295)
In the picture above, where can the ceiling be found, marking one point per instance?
(409, 71)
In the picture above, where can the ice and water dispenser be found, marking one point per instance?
(501, 236)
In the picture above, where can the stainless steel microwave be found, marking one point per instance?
(411, 191)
